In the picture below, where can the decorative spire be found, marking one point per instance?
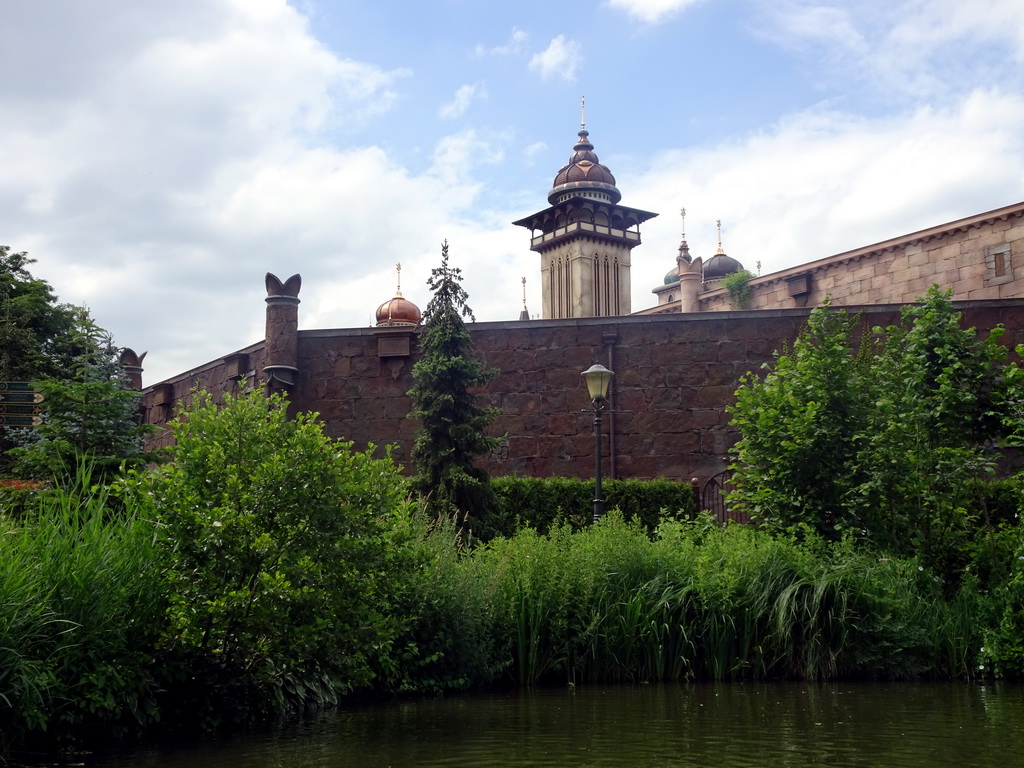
(398, 271)
(719, 223)
(583, 113)
(684, 248)
(525, 314)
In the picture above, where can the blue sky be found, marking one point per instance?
(158, 158)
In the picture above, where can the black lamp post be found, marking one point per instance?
(598, 378)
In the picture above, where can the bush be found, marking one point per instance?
(886, 441)
(543, 503)
(272, 539)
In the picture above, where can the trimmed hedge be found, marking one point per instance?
(539, 503)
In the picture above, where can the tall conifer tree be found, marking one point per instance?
(452, 432)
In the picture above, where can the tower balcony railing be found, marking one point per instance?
(585, 226)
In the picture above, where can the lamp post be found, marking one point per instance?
(598, 378)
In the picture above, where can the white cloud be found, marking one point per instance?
(464, 96)
(516, 44)
(160, 176)
(562, 58)
(534, 150)
(651, 11)
(908, 48)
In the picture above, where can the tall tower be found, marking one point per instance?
(584, 239)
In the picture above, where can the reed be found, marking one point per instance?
(81, 606)
(610, 603)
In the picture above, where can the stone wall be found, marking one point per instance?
(974, 257)
(675, 375)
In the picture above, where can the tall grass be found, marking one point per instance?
(81, 606)
(608, 603)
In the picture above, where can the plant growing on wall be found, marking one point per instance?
(737, 285)
(453, 424)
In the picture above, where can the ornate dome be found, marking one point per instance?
(584, 173)
(719, 266)
(398, 311)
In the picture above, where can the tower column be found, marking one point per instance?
(282, 339)
(585, 240)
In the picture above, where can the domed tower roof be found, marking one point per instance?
(582, 174)
(720, 264)
(398, 310)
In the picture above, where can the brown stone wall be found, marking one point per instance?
(958, 259)
(675, 374)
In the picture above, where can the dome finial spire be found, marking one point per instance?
(684, 249)
(719, 223)
(525, 313)
(583, 113)
(398, 271)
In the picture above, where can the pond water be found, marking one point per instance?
(728, 725)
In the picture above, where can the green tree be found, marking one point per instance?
(90, 414)
(453, 425)
(272, 535)
(800, 431)
(37, 332)
(888, 443)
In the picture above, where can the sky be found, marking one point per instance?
(158, 158)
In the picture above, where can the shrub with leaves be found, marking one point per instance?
(737, 285)
(887, 440)
(800, 427)
(272, 534)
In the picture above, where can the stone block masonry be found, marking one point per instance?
(675, 376)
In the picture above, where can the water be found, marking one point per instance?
(728, 725)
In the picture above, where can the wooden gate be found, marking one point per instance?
(712, 499)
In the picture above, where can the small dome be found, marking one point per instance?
(672, 276)
(584, 172)
(398, 311)
(719, 266)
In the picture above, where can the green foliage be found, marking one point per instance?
(886, 443)
(737, 285)
(272, 537)
(440, 598)
(801, 427)
(37, 333)
(543, 503)
(1002, 652)
(608, 603)
(452, 424)
(90, 414)
(82, 605)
